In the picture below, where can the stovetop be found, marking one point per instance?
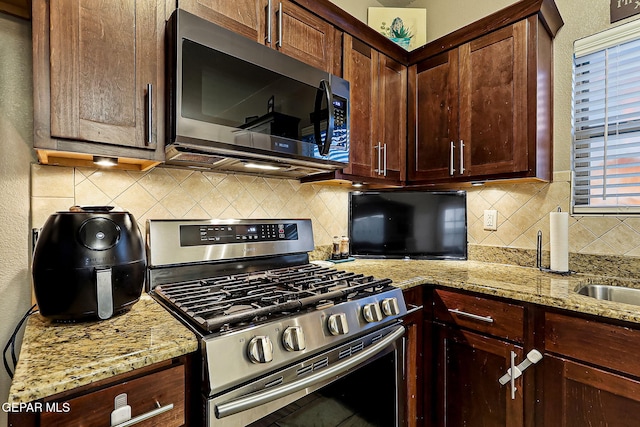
(247, 288)
(221, 304)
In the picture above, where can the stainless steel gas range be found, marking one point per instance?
(280, 338)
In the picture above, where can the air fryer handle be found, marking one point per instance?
(104, 293)
(324, 90)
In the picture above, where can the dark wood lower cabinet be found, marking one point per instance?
(578, 395)
(467, 391)
(160, 391)
(414, 376)
(591, 372)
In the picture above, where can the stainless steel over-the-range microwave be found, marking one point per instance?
(239, 106)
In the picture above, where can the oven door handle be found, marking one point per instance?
(253, 400)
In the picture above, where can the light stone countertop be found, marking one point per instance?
(518, 283)
(56, 357)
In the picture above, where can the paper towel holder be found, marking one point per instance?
(539, 258)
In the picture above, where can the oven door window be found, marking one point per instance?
(365, 397)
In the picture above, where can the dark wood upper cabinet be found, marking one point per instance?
(302, 35)
(377, 113)
(482, 110)
(280, 24)
(246, 17)
(433, 117)
(474, 105)
(494, 103)
(98, 82)
(360, 64)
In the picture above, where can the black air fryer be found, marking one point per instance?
(88, 263)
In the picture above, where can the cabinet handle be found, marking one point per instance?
(513, 377)
(279, 41)
(461, 156)
(486, 319)
(159, 410)
(451, 169)
(384, 163)
(377, 147)
(269, 25)
(149, 114)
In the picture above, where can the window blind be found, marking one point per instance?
(606, 122)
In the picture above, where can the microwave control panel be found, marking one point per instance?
(211, 234)
(339, 111)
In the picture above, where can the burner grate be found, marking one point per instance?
(224, 301)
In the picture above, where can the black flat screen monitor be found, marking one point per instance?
(408, 224)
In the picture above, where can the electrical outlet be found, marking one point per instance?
(491, 219)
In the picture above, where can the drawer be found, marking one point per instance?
(144, 394)
(599, 343)
(480, 314)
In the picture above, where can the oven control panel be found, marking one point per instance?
(212, 234)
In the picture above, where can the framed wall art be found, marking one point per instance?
(404, 26)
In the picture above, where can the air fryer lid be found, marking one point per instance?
(88, 263)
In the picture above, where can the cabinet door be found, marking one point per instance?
(467, 389)
(302, 35)
(493, 102)
(392, 119)
(361, 70)
(414, 374)
(160, 396)
(102, 59)
(433, 117)
(577, 395)
(246, 17)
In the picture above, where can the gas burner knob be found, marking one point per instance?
(390, 306)
(337, 324)
(293, 339)
(372, 312)
(260, 349)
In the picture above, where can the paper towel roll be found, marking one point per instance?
(559, 241)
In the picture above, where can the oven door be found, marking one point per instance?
(360, 382)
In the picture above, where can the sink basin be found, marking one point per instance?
(611, 293)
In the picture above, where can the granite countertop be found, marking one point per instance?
(508, 281)
(56, 357)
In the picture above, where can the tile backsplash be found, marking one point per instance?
(175, 193)
(522, 208)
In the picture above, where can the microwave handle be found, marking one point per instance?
(324, 90)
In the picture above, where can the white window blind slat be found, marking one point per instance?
(606, 127)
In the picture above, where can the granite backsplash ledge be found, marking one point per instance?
(625, 267)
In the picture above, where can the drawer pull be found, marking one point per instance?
(159, 410)
(486, 319)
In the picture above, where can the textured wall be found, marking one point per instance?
(16, 123)
(446, 16)
(359, 8)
